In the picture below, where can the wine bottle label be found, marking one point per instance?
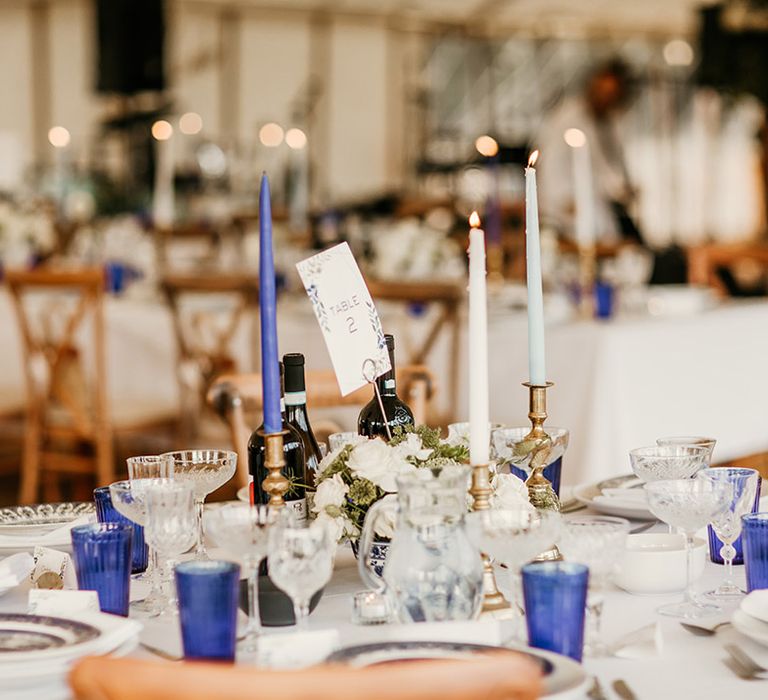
(250, 488)
(299, 508)
(282, 405)
(389, 383)
(295, 398)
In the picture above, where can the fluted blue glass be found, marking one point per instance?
(106, 513)
(208, 594)
(755, 534)
(555, 595)
(102, 555)
(551, 472)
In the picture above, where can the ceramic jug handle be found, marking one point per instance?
(364, 548)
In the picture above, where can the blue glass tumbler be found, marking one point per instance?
(755, 533)
(208, 593)
(555, 595)
(715, 543)
(106, 513)
(551, 472)
(604, 300)
(102, 554)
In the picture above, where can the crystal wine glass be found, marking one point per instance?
(204, 471)
(301, 561)
(243, 530)
(513, 537)
(129, 499)
(660, 462)
(688, 504)
(727, 525)
(149, 467)
(597, 541)
(170, 524)
(690, 440)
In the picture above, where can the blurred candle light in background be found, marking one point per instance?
(162, 130)
(190, 123)
(583, 197)
(678, 52)
(59, 137)
(271, 135)
(486, 146)
(296, 139)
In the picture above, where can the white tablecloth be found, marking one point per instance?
(618, 384)
(687, 667)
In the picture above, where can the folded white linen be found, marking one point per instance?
(756, 605)
(14, 569)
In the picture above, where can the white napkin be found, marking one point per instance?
(644, 643)
(60, 537)
(623, 498)
(14, 569)
(58, 603)
(756, 605)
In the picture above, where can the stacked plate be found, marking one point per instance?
(622, 496)
(751, 619)
(22, 528)
(36, 652)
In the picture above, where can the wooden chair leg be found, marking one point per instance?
(105, 460)
(30, 465)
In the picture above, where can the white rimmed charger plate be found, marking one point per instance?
(586, 494)
(34, 637)
(562, 677)
(751, 627)
(38, 519)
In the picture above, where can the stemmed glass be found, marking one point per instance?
(690, 440)
(301, 561)
(170, 524)
(513, 537)
(727, 524)
(149, 467)
(597, 541)
(661, 462)
(243, 529)
(129, 499)
(204, 471)
(688, 504)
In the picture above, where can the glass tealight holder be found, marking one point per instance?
(370, 608)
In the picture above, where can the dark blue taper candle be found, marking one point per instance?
(270, 370)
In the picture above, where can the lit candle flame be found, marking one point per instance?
(533, 158)
(474, 220)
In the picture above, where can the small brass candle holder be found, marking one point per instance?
(480, 490)
(587, 266)
(540, 491)
(275, 483)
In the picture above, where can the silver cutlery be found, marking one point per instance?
(596, 692)
(700, 631)
(160, 652)
(572, 506)
(737, 669)
(643, 527)
(746, 662)
(621, 689)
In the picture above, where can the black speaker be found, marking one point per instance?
(130, 37)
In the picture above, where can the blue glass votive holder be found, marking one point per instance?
(754, 530)
(106, 513)
(102, 554)
(208, 594)
(555, 595)
(604, 300)
(551, 472)
(715, 543)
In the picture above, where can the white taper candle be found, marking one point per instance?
(537, 373)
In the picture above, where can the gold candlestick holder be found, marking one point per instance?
(587, 266)
(540, 491)
(480, 490)
(495, 258)
(275, 483)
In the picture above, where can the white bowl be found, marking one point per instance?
(655, 563)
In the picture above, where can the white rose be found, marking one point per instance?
(336, 526)
(384, 526)
(330, 492)
(411, 447)
(509, 492)
(376, 461)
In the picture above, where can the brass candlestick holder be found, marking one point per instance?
(480, 490)
(495, 258)
(275, 483)
(587, 266)
(539, 446)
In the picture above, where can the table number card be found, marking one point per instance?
(347, 316)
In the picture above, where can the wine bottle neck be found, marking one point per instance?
(386, 384)
(295, 398)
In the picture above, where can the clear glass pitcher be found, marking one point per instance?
(432, 572)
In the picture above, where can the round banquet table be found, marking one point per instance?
(686, 666)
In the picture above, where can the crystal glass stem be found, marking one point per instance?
(594, 638)
(301, 613)
(156, 590)
(689, 568)
(253, 629)
(728, 552)
(200, 552)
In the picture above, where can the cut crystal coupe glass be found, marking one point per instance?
(660, 462)
(597, 541)
(204, 471)
(688, 504)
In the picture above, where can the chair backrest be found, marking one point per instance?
(235, 396)
(53, 365)
(499, 676)
(705, 261)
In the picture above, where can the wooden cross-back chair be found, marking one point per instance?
(205, 336)
(705, 261)
(69, 427)
(206, 242)
(234, 397)
(448, 296)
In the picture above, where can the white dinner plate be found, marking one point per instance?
(589, 493)
(751, 627)
(756, 605)
(562, 677)
(41, 518)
